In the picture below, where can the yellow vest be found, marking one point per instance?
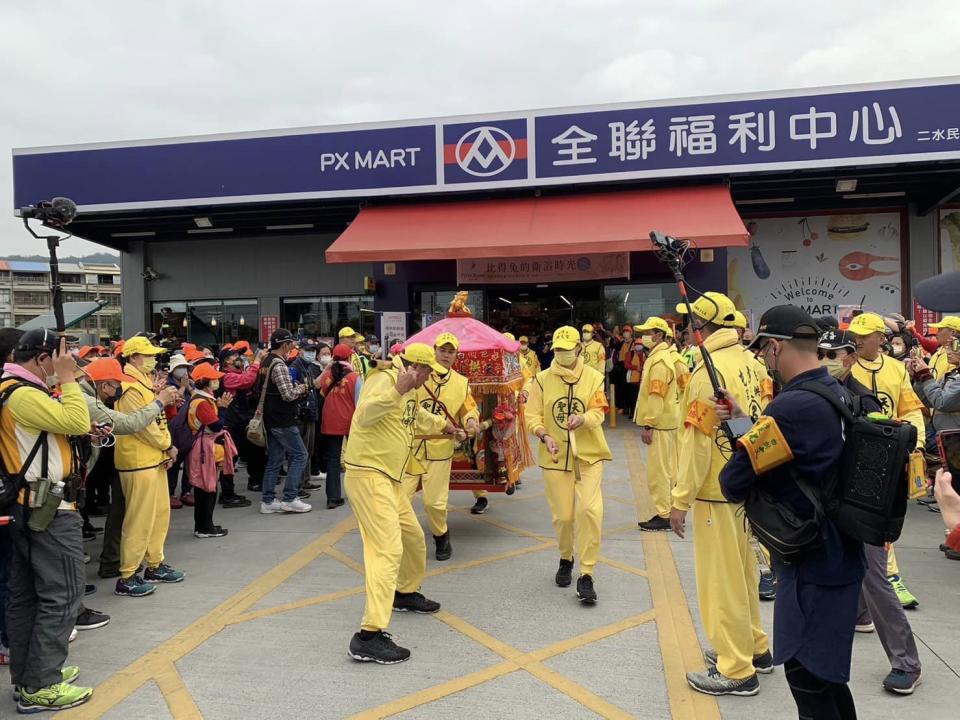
(356, 362)
(552, 400)
(660, 376)
(939, 365)
(529, 364)
(453, 393)
(738, 373)
(595, 356)
(887, 378)
(145, 449)
(383, 426)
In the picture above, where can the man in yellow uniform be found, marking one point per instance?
(350, 337)
(378, 449)
(441, 394)
(664, 378)
(529, 362)
(948, 329)
(887, 379)
(725, 566)
(594, 354)
(565, 410)
(142, 460)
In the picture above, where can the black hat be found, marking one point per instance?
(39, 339)
(836, 340)
(940, 293)
(280, 337)
(224, 354)
(309, 344)
(786, 322)
(372, 339)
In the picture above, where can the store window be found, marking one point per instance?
(210, 322)
(324, 316)
(635, 303)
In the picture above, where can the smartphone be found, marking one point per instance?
(949, 444)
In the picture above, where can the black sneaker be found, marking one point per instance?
(331, 504)
(214, 532)
(585, 592)
(479, 507)
(107, 573)
(761, 663)
(767, 587)
(255, 487)
(712, 682)
(237, 501)
(91, 620)
(414, 602)
(89, 527)
(310, 485)
(444, 549)
(97, 511)
(380, 649)
(89, 589)
(655, 524)
(564, 573)
(303, 494)
(88, 535)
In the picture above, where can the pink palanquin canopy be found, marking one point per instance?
(472, 334)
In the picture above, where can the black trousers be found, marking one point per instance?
(110, 554)
(818, 699)
(332, 445)
(98, 481)
(46, 586)
(175, 474)
(203, 506)
(255, 457)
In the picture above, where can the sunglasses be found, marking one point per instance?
(830, 354)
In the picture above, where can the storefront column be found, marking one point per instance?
(133, 301)
(924, 249)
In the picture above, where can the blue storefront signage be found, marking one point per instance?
(857, 125)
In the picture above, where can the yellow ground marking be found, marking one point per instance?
(508, 527)
(617, 529)
(519, 496)
(679, 646)
(125, 682)
(515, 659)
(176, 694)
(345, 559)
(622, 566)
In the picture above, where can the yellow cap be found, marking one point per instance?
(523, 339)
(348, 332)
(509, 336)
(713, 307)
(139, 345)
(588, 328)
(949, 321)
(867, 324)
(447, 338)
(423, 354)
(739, 321)
(654, 323)
(566, 338)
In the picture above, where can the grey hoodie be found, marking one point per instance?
(943, 398)
(123, 423)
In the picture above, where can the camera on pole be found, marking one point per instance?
(57, 214)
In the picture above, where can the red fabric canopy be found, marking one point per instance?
(525, 227)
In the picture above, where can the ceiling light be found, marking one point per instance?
(847, 186)
(765, 201)
(242, 321)
(626, 297)
(203, 222)
(204, 231)
(866, 196)
(570, 304)
(146, 233)
(503, 299)
(295, 226)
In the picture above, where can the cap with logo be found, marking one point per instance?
(39, 339)
(510, 337)
(279, 337)
(655, 323)
(205, 371)
(867, 324)
(837, 340)
(712, 307)
(566, 338)
(422, 354)
(107, 369)
(447, 338)
(139, 345)
(786, 322)
(951, 322)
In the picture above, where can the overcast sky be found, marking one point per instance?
(124, 69)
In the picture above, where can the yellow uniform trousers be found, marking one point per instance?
(394, 553)
(662, 465)
(436, 492)
(726, 571)
(146, 520)
(577, 509)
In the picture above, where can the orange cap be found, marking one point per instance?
(187, 346)
(192, 355)
(84, 351)
(107, 369)
(205, 371)
(242, 347)
(228, 346)
(118, 348)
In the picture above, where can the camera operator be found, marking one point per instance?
(47, 573)
(801, 436)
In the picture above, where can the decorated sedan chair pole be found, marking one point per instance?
(478, 395)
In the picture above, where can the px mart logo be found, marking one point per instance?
(478, 152)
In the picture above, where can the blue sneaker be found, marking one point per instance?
(163, 573)
(133, 586)
(768, 586)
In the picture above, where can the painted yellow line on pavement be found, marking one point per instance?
(592, 636)
(342, 557)
(622, 566)
(511, 528)
(295, 605)
(576, 691)
(176, 694)
(491, 559)
(679, 646)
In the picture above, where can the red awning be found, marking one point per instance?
(524, 227)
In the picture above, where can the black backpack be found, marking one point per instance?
(11, 485)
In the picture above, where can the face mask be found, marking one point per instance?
(374, 349)
(648, 342)
(565, 357)
(774, 371)
(179, 373)
(627, 336)
(149, 364)
(52, 380)
(834, 367)
(326, 360)
(524, 348)
(310, 356)
(587, 337)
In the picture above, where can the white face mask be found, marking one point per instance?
(179, 373)
(325, 360)
(587, 336)
(565, 357)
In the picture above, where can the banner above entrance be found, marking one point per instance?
(528, 271)
(827, 127)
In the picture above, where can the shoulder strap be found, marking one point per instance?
(831, 397)
(266, 382)
(41, 437)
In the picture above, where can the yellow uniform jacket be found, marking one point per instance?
(453, 393)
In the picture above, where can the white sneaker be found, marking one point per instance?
(296, 506)
(319, 476)
(73, 635)
(865, 627)
(275, 507)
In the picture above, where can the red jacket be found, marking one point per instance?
(929, 344)
(339, 402)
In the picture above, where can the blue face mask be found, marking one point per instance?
(310, 356)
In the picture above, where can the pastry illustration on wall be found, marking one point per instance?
(847, 227)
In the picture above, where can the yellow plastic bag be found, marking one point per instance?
(917, 476)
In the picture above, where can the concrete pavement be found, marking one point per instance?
(260, 627)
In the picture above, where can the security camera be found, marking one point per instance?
(149, 274)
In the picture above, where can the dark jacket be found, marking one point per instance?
(302, 371)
